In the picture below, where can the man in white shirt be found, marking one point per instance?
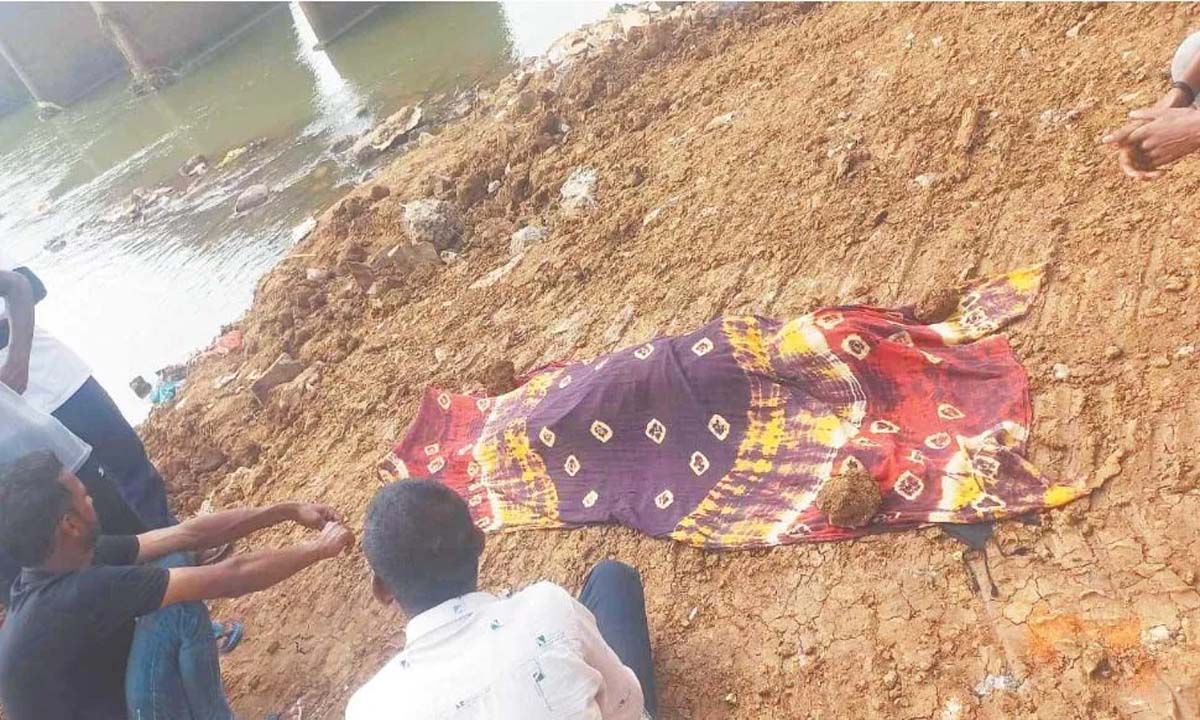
(539, 654)
(54, 379)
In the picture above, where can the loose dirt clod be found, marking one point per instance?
(937, 306)
(850, 498)
(498, 378)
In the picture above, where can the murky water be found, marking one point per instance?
(132, 297)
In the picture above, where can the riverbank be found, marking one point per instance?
(765, 159)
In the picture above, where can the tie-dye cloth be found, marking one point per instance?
(723, 437)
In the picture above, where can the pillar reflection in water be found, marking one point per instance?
(335, 99)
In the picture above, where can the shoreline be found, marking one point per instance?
(729, 160)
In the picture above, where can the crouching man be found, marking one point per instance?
(539, 654)
(97, 630)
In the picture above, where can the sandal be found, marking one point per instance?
(215, 555)
(228, 635)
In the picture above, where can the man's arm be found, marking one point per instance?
(206, 531)
(18, 296)
(244, 574)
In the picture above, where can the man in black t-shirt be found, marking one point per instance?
(69, 649)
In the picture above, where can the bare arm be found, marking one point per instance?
(212, 530)
(18, 295)
(255, 571)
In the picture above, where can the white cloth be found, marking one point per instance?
(534, 656)
(1184, 55)
(55, 371)
(26, 429)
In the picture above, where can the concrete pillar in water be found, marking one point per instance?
(143, 77)
(13, 93)
(56, 50)
(330, 20)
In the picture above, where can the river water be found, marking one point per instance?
(134, 296)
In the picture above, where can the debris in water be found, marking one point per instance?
(304, 229)
(140, 387)
(252, 197)
(165, 391)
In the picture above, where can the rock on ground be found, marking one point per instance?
(283, 370)
(393, 130)
(578, 191)
(432, 221)
(527, 236)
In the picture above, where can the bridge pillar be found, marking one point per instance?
(56, 49)
(330, 20)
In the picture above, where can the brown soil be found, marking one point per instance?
(850, 498)
(837, 111)
(937, 305)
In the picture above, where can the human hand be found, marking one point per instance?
(1156, 137)
(334, 539)
(313, 515)
(15, 372)
(1129, 158)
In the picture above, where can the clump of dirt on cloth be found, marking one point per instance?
(850, 498)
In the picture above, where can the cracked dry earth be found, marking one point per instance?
(874, 154)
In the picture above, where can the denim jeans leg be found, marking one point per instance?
(613, 592)
(173, 671)
(93, 416)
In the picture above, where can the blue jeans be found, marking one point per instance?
(613, 592)
(93, 416)
(173, 672)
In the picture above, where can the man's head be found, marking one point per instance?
(422, 545)
(43, 507)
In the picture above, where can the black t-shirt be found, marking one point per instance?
(65, 642)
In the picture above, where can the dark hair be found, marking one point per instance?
(32, 502)
(421, 542)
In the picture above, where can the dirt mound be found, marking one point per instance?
(937, 306)
(768, 159)
(850, 498)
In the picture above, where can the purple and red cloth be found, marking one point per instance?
(724, 436)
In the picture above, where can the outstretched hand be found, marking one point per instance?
(314, 516)
(1156, 137)
(334, 539)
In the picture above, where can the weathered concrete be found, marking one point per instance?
(57, 49)
(165, 34)
(330, 20)
(61, 51)
(12, 91)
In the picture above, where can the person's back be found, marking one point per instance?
(471, 655)
(534, 655)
